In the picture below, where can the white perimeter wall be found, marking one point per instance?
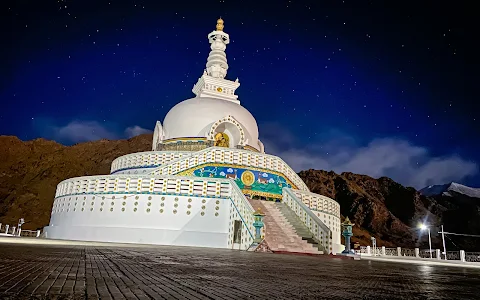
(148, 219)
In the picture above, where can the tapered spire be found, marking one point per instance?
(217, 65)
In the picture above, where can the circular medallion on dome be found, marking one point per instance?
(248, 178)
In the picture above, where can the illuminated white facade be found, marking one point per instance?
(193, 188)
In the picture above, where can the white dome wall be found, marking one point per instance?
(194, 118)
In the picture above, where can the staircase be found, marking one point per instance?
(300, 228)
(280, 234)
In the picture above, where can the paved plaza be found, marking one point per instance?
(82, 271)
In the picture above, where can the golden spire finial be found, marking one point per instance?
(220, 24)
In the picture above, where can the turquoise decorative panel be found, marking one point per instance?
(258, 182)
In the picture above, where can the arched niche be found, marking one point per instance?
(230, 129)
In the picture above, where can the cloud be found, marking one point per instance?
(84, 131)
(408, 164)
(136, 130)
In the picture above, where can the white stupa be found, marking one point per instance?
(195, 187)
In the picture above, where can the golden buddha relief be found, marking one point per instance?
(222, 140)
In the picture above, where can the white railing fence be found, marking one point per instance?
(453, 255)
(319, 230)
(419, 253)
(14, 231)
(472, 256)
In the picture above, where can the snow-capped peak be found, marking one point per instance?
(449, 189)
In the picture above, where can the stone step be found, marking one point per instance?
(280, 234)
(299, 227)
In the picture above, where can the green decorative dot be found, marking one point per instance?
(135, 209)
(161, 210)
(123, 208)
(136, 203)
(149, 203)
(148, 210)
(174, 211)
(123, 203)
(111, 209)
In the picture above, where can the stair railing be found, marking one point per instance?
(319, 230)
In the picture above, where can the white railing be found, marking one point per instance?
(319, 230)
(146, 159)
(318, 203)
(408, 252)
(453, 255)
(125, 184)
(425, 253)
(231, 156)
(472, 256)
(245, 211)
(391, 252)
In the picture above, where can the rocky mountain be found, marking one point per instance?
(30, 171)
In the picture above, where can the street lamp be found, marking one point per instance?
(423, 226)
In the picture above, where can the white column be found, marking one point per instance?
(417, 252)
(13, 230)
(462, 255)
(399, 251)
(369, 251)
(383, 251)
(6, 228)
(439, 256)
(38, 233)
(19, 231)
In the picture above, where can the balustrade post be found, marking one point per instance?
(399, 251)
(383, 251)
(417, 252)
(369, 251)
(13, 230)
(6, 228)
(462, 255)
(38, 233)
(438, 253)
(19, 231)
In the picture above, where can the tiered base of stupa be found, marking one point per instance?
(187, 199)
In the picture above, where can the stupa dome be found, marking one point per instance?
(200, 116)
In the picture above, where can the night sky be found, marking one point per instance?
(362, 86)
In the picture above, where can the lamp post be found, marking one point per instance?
(347, 233)
(258, 224)
(444, 248)
(423, 227)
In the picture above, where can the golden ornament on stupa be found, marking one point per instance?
(220, 24)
